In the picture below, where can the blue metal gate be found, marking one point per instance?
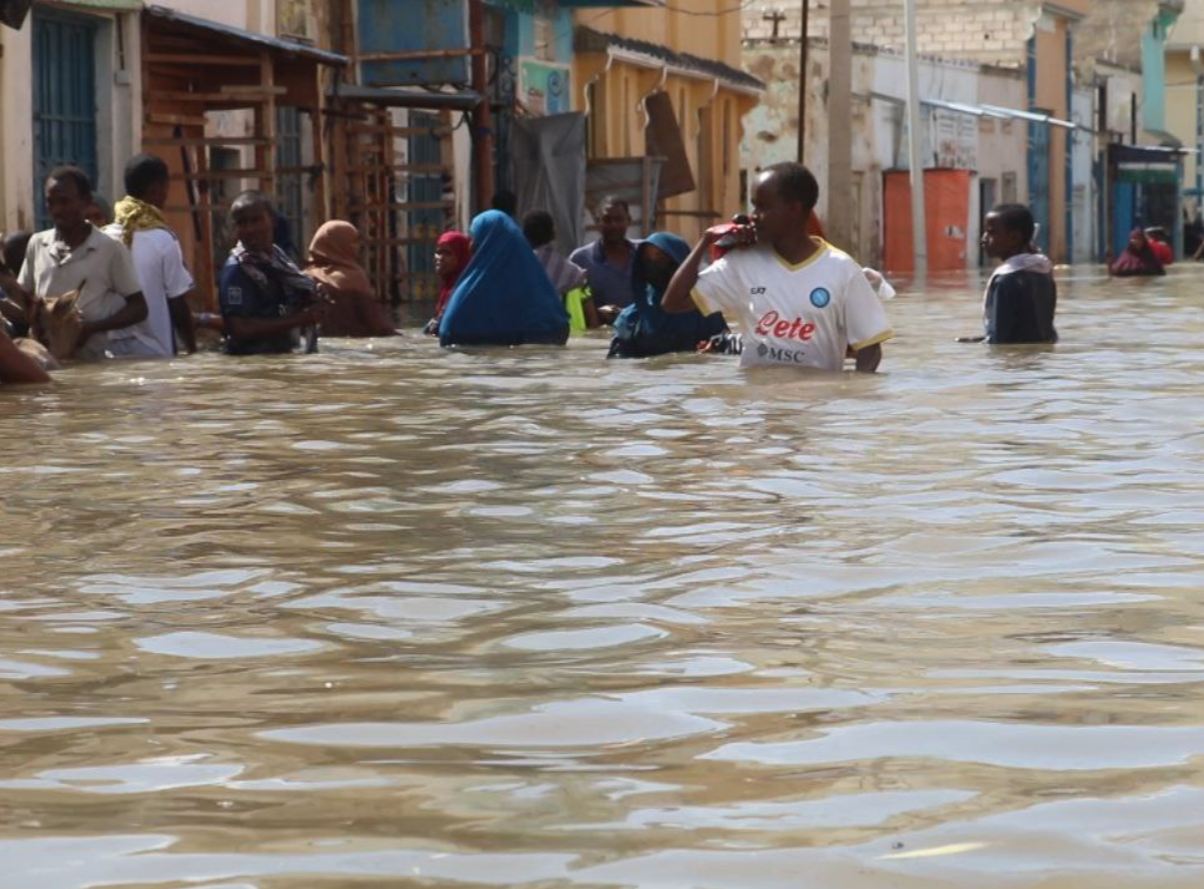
(289, 183)
(425, 189)
(1039, 150)
(64, 99)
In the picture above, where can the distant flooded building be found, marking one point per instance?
(667, 83)
(1024, 43)
(973, 155)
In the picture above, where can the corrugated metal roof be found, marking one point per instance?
(13, 12)
(217, 29)
(592, 4)
(407, 97)
(105, 4)
(589, 40)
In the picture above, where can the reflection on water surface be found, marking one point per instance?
(394, 616)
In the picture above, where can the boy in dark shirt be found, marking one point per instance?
(1021, 297)
(265, 299)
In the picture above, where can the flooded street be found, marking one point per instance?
(393, 616)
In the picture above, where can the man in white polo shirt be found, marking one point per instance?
(73, 256)
(800, 302)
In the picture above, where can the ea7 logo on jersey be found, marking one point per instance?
(757, 291)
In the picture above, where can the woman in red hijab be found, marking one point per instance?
(452, 252)
(334, 263)
(1138, 260)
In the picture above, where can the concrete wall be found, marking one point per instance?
(987, 31)
(1002, 143)
(1181, 115)
(1125, 90)
(118, 100)
(16, 123)
(698, 27)
(1084, 196)
(118, 118)
(993, 149)
(1182, 118)
(1108, 32)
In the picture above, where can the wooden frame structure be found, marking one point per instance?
(192, 68)
(374, 180)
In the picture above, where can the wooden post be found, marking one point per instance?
(340, 184)
(351, 44)
(319, 211)
(385, 211)
(919, 214)
(447, 156)
(144, 58)
(804, 31)
(840, 127)
(482, 116)
(204, 269)
(647, 198)
(265, 127)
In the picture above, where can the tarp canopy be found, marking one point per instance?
(635, 180)
(547, 161)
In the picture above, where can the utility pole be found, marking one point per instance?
(482, 115)
(804, 31)
(915, 165)
(840, 126)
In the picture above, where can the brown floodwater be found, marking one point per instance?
(394, 616)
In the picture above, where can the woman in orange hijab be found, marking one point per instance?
(334, 263)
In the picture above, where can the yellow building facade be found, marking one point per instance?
(1185, 93)
(691, 55)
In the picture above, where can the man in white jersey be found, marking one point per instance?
(799, 301)
(157, 257)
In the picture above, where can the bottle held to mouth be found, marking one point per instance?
(732, 235)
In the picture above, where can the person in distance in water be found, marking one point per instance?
(1021, 297)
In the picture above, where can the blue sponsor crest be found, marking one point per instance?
(820, 297)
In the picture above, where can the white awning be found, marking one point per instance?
(996, 112)
(1035, 117)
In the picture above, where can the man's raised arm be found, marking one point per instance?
(677, 298)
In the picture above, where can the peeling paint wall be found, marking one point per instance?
(119, 98)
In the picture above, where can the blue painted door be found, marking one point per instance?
(1124, 215)
(1039, 149)
(64, 99)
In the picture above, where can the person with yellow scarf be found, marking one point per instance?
(140, 225)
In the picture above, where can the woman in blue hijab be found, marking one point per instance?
(504, 297)
(643, 328)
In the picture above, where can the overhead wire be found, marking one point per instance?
(718, 13)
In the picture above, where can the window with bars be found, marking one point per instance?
(64, 99)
